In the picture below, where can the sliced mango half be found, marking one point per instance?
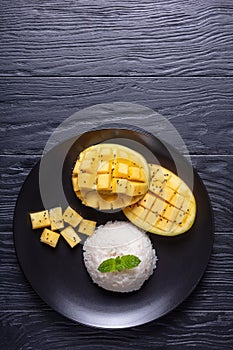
(169, 206)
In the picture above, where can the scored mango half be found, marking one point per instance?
(110, 176)
(168, 208)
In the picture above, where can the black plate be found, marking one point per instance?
(59, 276)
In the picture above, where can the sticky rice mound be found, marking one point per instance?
(117, 239)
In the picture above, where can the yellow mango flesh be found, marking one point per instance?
(168, 208)
(110, 176)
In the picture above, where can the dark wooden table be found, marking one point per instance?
(175, 57)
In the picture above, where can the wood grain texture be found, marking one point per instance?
(219, 188)
(47, 330)
(95, 38)
(200, 109)
(214, 293)
(174, 56)
(215, 172)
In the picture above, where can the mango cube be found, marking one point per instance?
(105, 153)
(103, 182)
(121, 170)
(141, 212)
(152, 218)
(56, 219)
(136, 188)
(119, 185)
(104, 168)
(134, 173)
(71, 217)
(147, 201)
(86, 181)
(71, 237)
(40, 219)
(49, 237)
(92, 154)
(87, 227)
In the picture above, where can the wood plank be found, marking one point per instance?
(215, 172)
(46, 330)
(214, 292)
(92, 38)
(219, 187)
(199, 109)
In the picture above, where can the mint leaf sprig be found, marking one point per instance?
(119, 263)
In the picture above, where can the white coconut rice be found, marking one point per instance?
(117, 239)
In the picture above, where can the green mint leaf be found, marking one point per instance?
(108, 265)
(119, 267)
(118, 260)
(130, 261)
(119, 263)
